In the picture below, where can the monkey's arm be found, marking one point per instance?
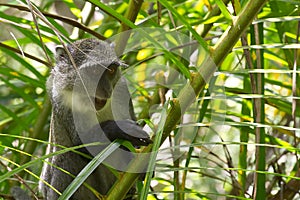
(110, 130)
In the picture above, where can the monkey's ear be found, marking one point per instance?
(60, 52)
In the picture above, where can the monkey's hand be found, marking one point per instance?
(110, 130)
(126, 130)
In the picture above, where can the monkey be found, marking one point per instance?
(81, 88)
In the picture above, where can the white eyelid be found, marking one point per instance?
(112, 44)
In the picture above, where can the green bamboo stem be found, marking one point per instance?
(131, 14)
(221, 49)
(259, 117)
(155, 99)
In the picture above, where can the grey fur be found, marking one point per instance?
(91, 58)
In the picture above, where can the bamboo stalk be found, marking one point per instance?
(221, 49)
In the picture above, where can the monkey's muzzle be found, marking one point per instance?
(99, 103)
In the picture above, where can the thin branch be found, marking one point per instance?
(26, 54)
(61, 18)
(37, 29)
(21, 180)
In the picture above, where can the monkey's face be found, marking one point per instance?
(99, 82)
(94, 85)
(88, 70)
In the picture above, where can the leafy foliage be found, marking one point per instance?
(218, 93)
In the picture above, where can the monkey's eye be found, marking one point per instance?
(111, 71)
(61, 53)
(112, 68)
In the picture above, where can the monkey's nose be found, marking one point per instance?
(99, 103)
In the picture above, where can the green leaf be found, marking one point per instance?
(88, 169)
(223, 9)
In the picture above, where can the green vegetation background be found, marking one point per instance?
(246, 128)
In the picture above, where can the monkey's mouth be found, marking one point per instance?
(99, 103)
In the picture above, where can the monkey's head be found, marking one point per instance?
(90, 67)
